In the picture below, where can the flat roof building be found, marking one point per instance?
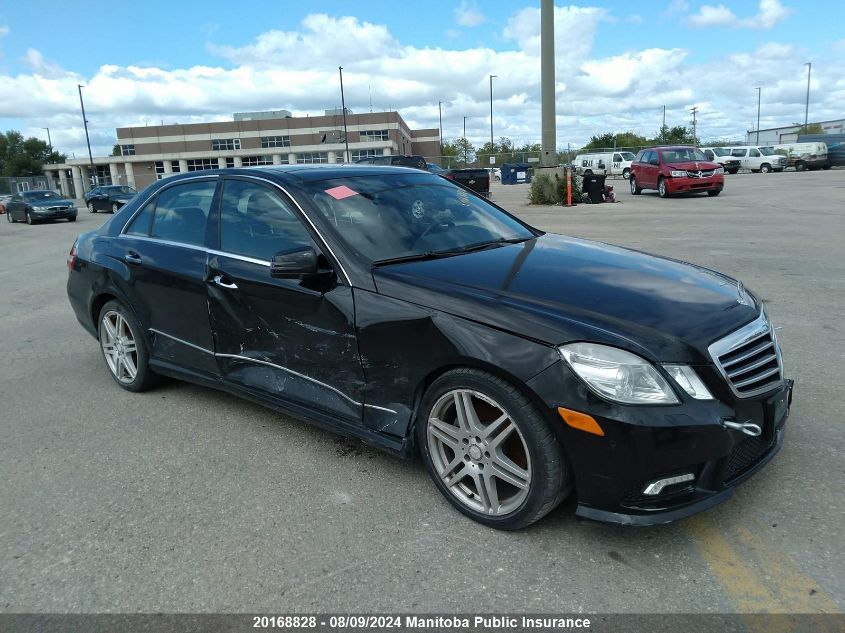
(151, 152)
(789, 133)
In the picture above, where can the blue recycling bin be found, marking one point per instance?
(515, 173)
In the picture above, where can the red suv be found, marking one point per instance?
(676, 169)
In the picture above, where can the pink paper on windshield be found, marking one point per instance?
(339, 193)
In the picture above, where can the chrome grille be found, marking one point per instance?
(700, 173)
(749, 359)
(57, 208)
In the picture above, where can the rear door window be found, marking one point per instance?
(182, 211)
(257, 222)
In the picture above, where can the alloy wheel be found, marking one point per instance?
(119, 346)
(479, 452)
(114, 207)
(661, 188)
(91, 207)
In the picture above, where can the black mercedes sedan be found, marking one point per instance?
(109, 197)
(397, 307)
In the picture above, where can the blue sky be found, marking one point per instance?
(617, 62)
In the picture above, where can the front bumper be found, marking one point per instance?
(56, 214)
(691, 185)
(645, 444)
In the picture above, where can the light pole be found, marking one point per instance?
(694, 111)
(809, 66)
(49, 141)
(758, 115)
(343, 108)
(465, 141)
(491, 116)
(87, 138)
(440, 116)
(663, 127)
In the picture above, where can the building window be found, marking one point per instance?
(127, 150)
(375, 135)
(222, 144)
(174, 164)
(159, 169)
(198, 164)
(306, 158)
(275, 141)
(358, 154)
(257, 161)
(230, 162)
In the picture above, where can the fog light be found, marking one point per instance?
(655, 487)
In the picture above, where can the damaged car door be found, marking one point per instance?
(289, 339)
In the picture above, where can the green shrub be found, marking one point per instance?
(551, 189)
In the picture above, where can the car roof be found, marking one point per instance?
(305, 173)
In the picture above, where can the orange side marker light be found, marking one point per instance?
(580, 421)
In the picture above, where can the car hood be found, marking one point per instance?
(556, 289)
(52, 203)
(694, 165)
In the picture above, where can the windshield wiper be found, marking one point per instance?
(482, 245)
(416, 257)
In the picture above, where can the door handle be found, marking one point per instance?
(220, 280)
(132, 258)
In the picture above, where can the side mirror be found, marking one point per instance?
(297, 263)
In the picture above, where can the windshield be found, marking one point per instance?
(720, 152)
(682, 154)
(37, 196)
(627, 156)
(767, 151)
(389, 216)
(123, 190)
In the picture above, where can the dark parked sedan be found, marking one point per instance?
(38, 205)
(394, 306)
(109, 198)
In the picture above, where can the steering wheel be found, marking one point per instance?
(445, 224)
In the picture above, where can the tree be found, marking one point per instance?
(678, 135)
(455, 151)
(115, 151)
(25, 157)
(811, 128)
(620, 140)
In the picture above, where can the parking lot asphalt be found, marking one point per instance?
(184, 499)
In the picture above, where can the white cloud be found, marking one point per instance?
(769, 13)
(34, 60)
(4, 30)
(709, 15)
(468, 14)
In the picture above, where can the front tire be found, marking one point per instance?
(800, 165)
(714, 192)
(765, 168)
(72, 219)
(662, 189)
(124, 348)
(29, 219)
(114, 207)
(626, 173)
(635, 190)
(733, 171)
(91, 207)
(489, 451)
(9, 217)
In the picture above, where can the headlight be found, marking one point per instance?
(689, 381)
(677, 174)
(719, 170)
(618, 375)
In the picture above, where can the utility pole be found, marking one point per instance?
(548, 156)
(440, 115)
(758, 115)
(809, 66)
(663, 127)
(491, 115)
(49, 142)
(465, 141)
(694, 110)
(87, 138)
(343, 108)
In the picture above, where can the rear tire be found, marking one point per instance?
(800, 165)
(91, 207)
(124, 348)
(9, 217)
(662, 189)
(733, 171)
(714, 192)
(489, 451)
(626, 173)
(635, 190)
(72, 219)
(114, 207)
